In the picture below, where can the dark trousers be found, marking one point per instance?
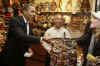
(85, 57)
(16, 65)
(47, 63)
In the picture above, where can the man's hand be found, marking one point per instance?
(30, 50)
(29, 53)
(47, 40)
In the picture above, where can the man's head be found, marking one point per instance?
(28, 10)
(58, 21)
(95, 21)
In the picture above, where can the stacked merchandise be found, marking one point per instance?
(3, 29)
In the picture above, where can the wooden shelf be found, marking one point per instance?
(67, 13)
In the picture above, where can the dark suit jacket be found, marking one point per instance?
(96, 51)
(18, 40)
(84, 40)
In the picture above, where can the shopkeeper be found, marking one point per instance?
(56, 32)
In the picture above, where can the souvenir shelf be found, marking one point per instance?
(3, 29)
(67, 13)
(76, 25)
(77, 11)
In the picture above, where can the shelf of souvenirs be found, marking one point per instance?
(3, 28)
(3, 25)
(2, 37)
(68, 13)
(6, 17)
(2, 41)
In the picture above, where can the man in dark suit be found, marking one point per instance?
(85, 41)
(20, 37)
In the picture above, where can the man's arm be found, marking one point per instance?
(17, 29)
(84, 40)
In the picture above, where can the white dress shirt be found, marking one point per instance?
(27, 24)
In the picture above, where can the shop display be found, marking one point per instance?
(65, 52)
(74, 23)
(3, 30)
(85, 6)
(72, 11)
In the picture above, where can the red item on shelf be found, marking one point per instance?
(1, 39)
(8, 14)
(16, 1)
(2, 28)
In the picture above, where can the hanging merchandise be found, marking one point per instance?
(13, 1)
(79, 62)
(53, 6)
(85, 6)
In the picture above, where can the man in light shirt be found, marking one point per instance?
(56, 32)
